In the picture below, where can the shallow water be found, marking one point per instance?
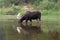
(29, 32)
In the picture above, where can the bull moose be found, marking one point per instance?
(36, 15)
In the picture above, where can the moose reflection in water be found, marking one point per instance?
(28, 29)
(28, 32)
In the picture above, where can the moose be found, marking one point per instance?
(36, 15)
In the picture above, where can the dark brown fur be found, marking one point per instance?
(31, 16)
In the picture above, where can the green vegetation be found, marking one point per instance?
(45, 6)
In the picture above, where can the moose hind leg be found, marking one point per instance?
(30, 21)
(39, 21)
(26, 21)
